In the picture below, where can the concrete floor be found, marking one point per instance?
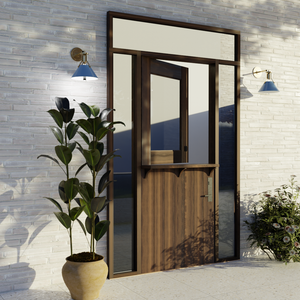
(253, 278)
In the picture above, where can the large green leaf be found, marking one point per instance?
(85, 108)
(61, 191)
(84, 193)
(97, 204)
(82, 226)
(62, 103)
(86, 200)
(88, 188)
(85, 125)
(95, 110)
(64, 219)
(104, 159)
(72, 146)
(57, 133)
(57, 117)
(64, 153)
(105, 113)
(93, 145)
(102, 181)
(71, 130)
(50, 157)
(67, 114)
(80, 148)
(117, 122)
(75, 212)
(55, 203)
(104, 124)
(105, 204)
(100, 229)
(97, 145)
(85, 137)
(88, 223)
(87, 208)
(80, 168)
(71, 188)
(91, 156)
(95, 123)
(100, 147)
(105, 186)
(101, 133)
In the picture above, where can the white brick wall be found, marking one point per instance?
(35, 67)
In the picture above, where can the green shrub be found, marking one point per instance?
(275, 223)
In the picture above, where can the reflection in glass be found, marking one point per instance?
(165, 114)
(198, 113)
(198, 106)
(227, 154)
(123, 196)
(143, 36)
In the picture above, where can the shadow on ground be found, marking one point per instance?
(36, 294)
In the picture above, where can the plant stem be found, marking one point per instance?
(69, 206)
(66, 144)
(94, 217)
(71, 242)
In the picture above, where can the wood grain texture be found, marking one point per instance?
(177, 220)
(162, 157)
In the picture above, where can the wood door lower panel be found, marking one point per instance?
(177, 220)
(199, 219)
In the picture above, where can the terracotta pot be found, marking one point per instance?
(84, 279)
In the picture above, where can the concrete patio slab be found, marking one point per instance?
(250, 278)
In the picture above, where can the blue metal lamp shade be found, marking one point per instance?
(84, 72)
(269, 87)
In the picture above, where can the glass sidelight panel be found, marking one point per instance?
(123, 195)
(198, 113)
(227, 158)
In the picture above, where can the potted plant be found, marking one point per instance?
(275, 223)
(84, 273)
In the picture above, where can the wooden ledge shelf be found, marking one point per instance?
(178, 168)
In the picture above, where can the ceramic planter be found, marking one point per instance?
(84, 279)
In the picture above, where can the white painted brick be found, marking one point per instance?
(36, 38)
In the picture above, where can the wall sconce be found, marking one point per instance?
(84, 70)
(269, 85)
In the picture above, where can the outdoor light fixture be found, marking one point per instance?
(84, 70)
(269, 85)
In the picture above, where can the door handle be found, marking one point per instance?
(209, 189)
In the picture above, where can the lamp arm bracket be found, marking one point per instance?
(76, 54)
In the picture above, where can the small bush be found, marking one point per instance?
(275, 223)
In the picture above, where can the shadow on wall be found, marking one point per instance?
(245, 93)
(281, 24)
(14, 233)
(166, 136)
(247, 202)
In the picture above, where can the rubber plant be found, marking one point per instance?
(95, 127)
(68, 188)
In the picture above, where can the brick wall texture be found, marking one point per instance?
(36, 37)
